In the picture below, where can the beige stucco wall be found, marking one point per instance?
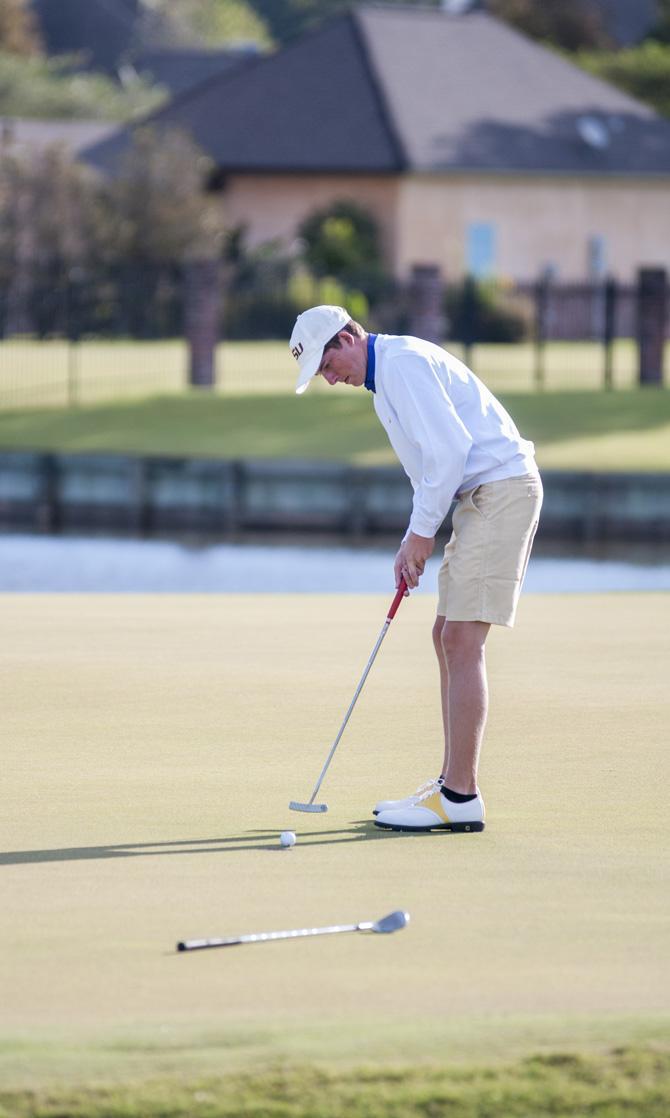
(538, 222)
(273, 206)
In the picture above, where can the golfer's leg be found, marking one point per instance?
(467, 701)
(444, 684)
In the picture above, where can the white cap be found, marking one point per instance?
(313, 328)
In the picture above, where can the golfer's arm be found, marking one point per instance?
(429, 420)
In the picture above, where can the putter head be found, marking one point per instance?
(295, 806)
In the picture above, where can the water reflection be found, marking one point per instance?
(60, 564)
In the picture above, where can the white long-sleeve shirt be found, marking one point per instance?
(448, 430)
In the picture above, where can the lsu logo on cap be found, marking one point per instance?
(297, 350)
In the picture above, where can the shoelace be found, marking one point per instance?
(436, 787)
(428, 788)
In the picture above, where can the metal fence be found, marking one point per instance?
(71, 335)
(158, 496)
(599, 313)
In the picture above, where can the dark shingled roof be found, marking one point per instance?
(628, 21)
(385, 89)
(469, 92)
(312, 106)
(101, 31)
(180, 69)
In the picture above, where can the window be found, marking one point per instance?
(597, 257)
(480, 249)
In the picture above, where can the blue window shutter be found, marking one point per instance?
(481, 249)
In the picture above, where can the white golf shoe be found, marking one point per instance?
(395, 805)
(434, 812)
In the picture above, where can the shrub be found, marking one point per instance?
(343, 241)
(642, 71)
(480, 312)
(265, 305)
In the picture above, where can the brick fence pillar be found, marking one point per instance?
(426, 314)
(202, 312)
(652, 321)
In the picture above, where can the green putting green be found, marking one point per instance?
(151, 747)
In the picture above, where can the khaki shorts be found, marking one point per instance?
(486, 558)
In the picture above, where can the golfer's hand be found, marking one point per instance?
(411, 559)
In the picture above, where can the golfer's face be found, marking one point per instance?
(346, 365)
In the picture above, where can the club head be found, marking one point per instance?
(391, 923)
(295, 806)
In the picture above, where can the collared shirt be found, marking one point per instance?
(370, 371)
(448, 430)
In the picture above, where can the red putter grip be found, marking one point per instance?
(397, 600)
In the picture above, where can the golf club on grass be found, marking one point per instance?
(295, 805)
(390, 923)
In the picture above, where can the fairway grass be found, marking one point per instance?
(571, 430)
(615, 1085)
(150, 747)
(55, 373)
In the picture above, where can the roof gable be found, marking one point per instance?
(312, 106)
(384, 89)
(470, 93)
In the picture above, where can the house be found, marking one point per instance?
(475, 148)
(99, 32)
(107, 36)
(627, 22)
(179, 69)
(20, 137)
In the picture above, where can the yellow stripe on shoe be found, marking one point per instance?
(435, 802)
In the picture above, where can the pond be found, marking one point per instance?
(30, 564)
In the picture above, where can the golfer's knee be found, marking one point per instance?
(438, 628)
(462, 641)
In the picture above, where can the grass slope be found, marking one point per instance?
(582, 430)
(615, 1085)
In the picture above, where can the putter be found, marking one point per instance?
(295, 805)
(387, 924)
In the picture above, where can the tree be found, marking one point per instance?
(52, 223)
(287, 19)
(204, 22)
(661, 32)
(226, 21)
(82, 254)
(45, 88)
(18, 29)
(342, 242)
(48, 207)
(570, 24)
(642, 71)
(161, 208)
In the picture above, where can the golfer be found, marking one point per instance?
(455, 442)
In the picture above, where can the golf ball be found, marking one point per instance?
(287, 838)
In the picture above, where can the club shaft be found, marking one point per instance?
(264, 937)
(351, 707)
